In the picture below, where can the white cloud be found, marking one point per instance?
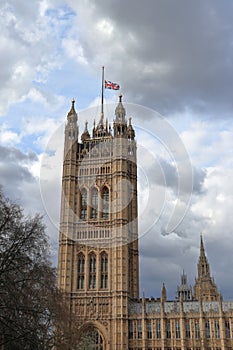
(9, 137)
(74, 49)
(28, 45)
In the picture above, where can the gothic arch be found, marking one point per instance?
(90, 328)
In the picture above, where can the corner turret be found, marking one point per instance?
(120, 124)
(71, 128)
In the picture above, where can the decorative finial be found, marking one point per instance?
(120, 97)
(72, 109)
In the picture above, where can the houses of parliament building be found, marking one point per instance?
(98, 254)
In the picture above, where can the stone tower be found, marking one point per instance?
(205, 287)
(98, 243)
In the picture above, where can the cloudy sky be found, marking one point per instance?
(174, 62)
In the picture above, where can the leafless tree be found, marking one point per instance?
(29, 300)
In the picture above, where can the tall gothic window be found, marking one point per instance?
(130, 329)
(197, 330)
(83, 214)
(207, 329)
(92, 271)
(187, 330)
(149, 330)
(139, 330)
(94, 203)
(217, 329)
(177, 329)
(105, 203)
(158, 330)
(168, 329)
(104, 270)
(228, 330)
(81, 271)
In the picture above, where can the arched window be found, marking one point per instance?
(92, 339)
(104, 271)
(92, 271)
(105, 203)
(81, 271)
(94, 203)
(83, 212)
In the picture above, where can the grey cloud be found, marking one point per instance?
(167, 55)
(28, 49)
(15, 154)
(14, 173)
(169, 176)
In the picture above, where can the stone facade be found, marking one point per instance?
(98, 253)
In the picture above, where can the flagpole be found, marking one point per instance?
(102, 95)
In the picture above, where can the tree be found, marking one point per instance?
(29, 301)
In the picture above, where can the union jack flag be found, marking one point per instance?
(109, 85)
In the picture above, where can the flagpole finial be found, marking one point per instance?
(120, 97)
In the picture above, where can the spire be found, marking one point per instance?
(205, 286)
(120, 111)
(71, 129)
(72, 112)
(203, 265)
(120, 125)
(183, 278)
(202, 249)
(85, 134)
(130, 130)
(164, 293)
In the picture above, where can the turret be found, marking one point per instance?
(85, 135)
(184, 290)
(120, 124)
(130, 130)
(71, 129)
(163, 293)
